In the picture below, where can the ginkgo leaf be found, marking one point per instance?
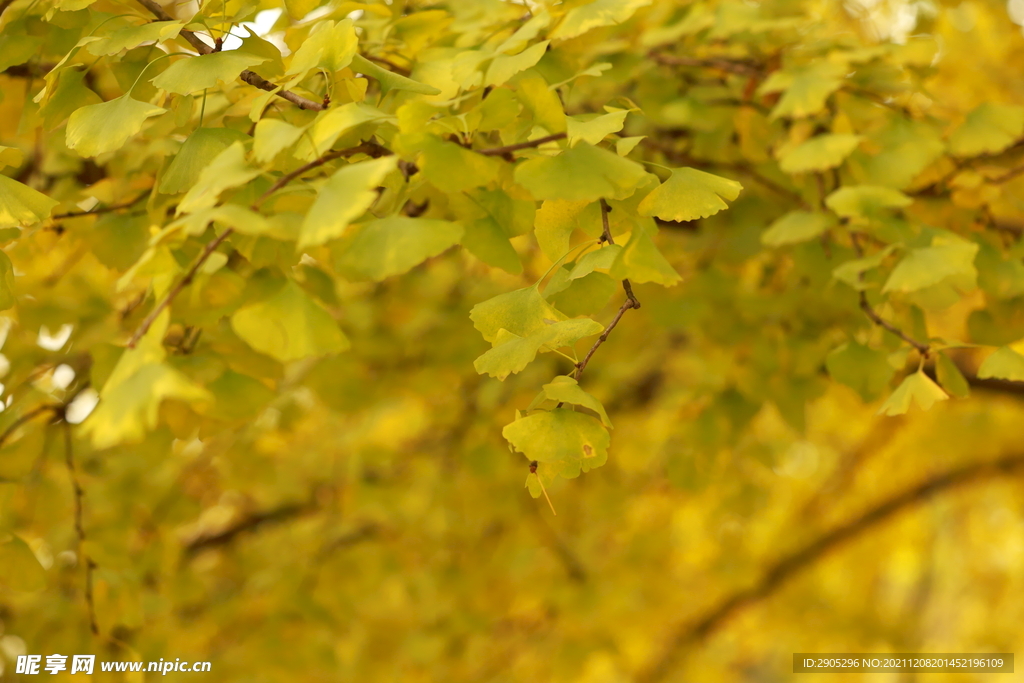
(331, 46)
(989, 129)
(797, 226)
(11, 156)
(133, 36)
(271, 137)
(594, 129)
(688, 195)
(333, 123)
(194, 74)
(288, 326)
(566, 389)
(952, 380)
(640, 261)
(820, 153)
(228, 169)
(22, 571)
(70, 95)
(581, 19)
(557, 219)
(452, 168)
(1005, 363)
(100, 128)
(927, 266)
(806, 88)
(521, 312)
(394, 245)
(389, 80)
(196, 153)
(603, 258)
(537, 97)
(865, 200)
(343, 198)
(239, 218)
(511, 353)
(559, 435)
(129, 406)
(504, 67)
(917, 388)
(861, 368)
(581, 173)
(852, 271)
(487, 240)
(20, 205)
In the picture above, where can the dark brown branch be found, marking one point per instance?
(76, 487)
(630, 302)
(1009, 175)
(249, 523)
(688, 634)
(99, 210)
(508, 149)
(250, 77)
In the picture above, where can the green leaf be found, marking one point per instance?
(1005, 363)
(346, 196)
(557, 219)
(237, 396)
(389, 80)
(797, 226)
(194, 74)
(71, 94)
(565, 389)
(989, 129)
(504, 67)
(196, 153)
(865, 200)
(950, 377)
(560, 435)
(288, 326)
(592, 129)
(271, 137)
(820, 153)
(521, 312)
(585, 295)
(100, 128)
(133, 36)
(851, 271)
(905, 148)
(641, 261)
(927, 266)
(581, 19)
(22, 571)
(394, 245)
(453, 168)
(331, 47)
(227, 170)
(511, 353)
(16, 46)
(861, 368)
(806, 88)
(688, 195)
(583, 173)
(917, 388)
(20, 205)
(533, 91)
(603, 258)
(333, 123)
(131, 400)
(488, 241)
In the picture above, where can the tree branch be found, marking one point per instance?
(773, 578)
(69, 460)
(508, 149)
(631, 300)
(740, 67)
(38, 410)
(250, 523)
(102, 209)
(1009, 175)
(250, 77)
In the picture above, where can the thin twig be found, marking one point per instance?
(38, 410)
(250, 77)
(249, 523)
(76, 487)
(102, 209)
(630, 302)
(508, 149)
(686, 635)
(735, 66)
(922, 347)
(1009, 175)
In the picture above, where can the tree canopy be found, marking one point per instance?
(309, 306)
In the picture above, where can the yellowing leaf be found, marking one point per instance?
(389, 80)
(71, 94)
(567, 390)
(950, 377)
(191, 75)
(797, 226)
(133, 36)
(579, 20)
(989, 129)
(331, 47)
(927, 266)
(504, 67)
(331, 124)
(1005, 363)
(297, 9)
(196, 153)
(535, 95)
(582, 173)
(806, 88)
(861, 368)
(557, 218)
(521, 312)
(453, 168)
(343, 198)
(228, 169)
(7, 296)
(559, 435)
(22, 571)
(105, 127)
(689, 194)
(20, 205)
(594, 129)
(511, 353)
(917, 388)
(288, 326)
(271, 137)
(640, 261)
(865, 200)
(820, 153)
(394, 245)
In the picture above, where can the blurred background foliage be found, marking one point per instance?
(360, 517)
